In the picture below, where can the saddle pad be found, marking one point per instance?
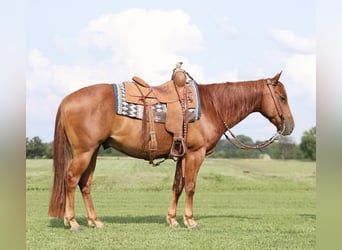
(133, 110)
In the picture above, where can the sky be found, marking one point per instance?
(72, 44)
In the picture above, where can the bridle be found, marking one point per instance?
(235, 140)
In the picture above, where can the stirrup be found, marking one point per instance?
(178, 148)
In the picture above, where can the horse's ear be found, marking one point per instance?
(275, 79)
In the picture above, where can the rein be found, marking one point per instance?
(235, 140)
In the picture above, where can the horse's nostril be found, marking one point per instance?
(288, 128)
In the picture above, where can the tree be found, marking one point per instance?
(308, 144)
(35, 148)
(225, 149)
(283, 149)
(48, 150)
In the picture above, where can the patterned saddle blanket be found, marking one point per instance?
(134, 110)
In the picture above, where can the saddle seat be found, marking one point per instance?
(138, 89)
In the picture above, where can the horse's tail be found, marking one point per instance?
(61, 159)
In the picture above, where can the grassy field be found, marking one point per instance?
(239, 204)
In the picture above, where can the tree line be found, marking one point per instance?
(285, 148)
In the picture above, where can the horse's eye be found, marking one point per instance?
(283, 98)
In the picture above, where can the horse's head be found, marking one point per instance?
(275, 106)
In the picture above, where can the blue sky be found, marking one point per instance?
(71, 44)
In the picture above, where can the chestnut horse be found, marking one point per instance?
(86, 119)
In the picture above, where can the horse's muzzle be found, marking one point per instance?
(286, 128)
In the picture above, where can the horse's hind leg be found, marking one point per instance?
(178, 185)
(85, 187)
(78, 166)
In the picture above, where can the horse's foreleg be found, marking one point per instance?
(85, 187)
(78, 165)
(193, 163)
(178, 185)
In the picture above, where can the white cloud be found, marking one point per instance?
(147, 42)
(36, 59)
(139, 28)
(300, 62)
(294, 42)
(301, 68)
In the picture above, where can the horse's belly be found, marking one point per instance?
(131, 140)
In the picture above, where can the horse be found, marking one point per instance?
(86, 120)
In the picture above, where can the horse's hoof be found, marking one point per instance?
(95, 224)
(98, 225)
(173, 223)
(191, 224)
(76, 228)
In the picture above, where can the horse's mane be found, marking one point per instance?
(237, 96)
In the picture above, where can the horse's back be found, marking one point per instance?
(97, 93)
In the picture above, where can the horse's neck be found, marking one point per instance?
(232, 102)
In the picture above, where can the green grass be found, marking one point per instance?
(239, 204)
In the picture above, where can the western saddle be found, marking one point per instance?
(178, 95)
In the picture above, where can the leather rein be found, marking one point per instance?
(235, 140)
